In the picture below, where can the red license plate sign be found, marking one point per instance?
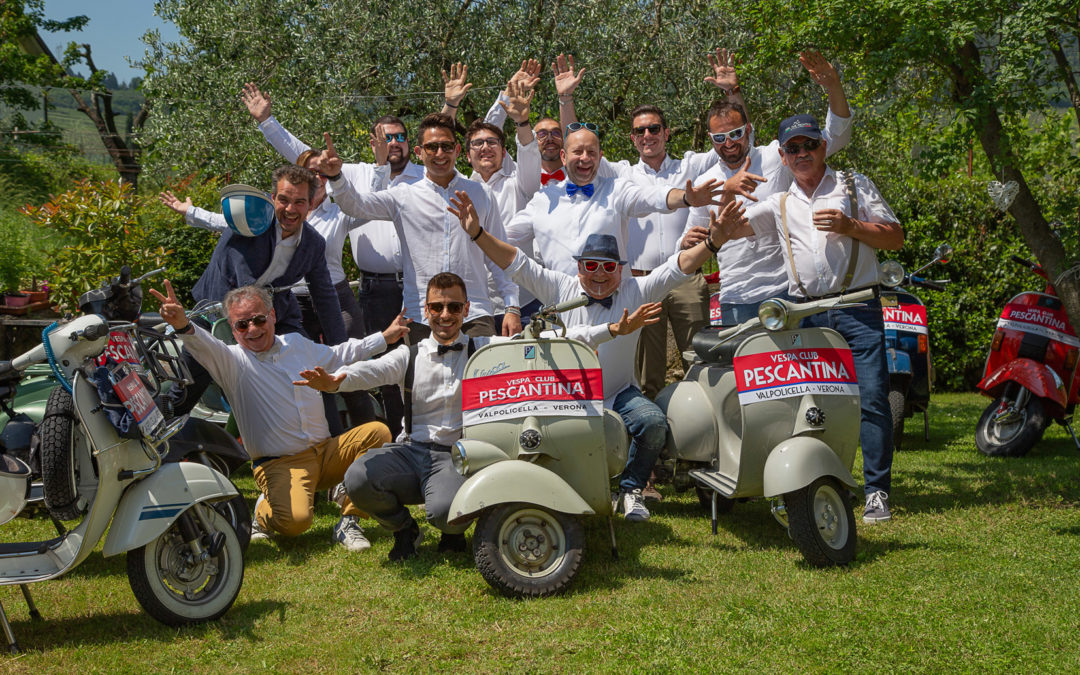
(120, 350)
(908, 318)
(138, 401)
(715, 317)
(576, 393)
(795, 372)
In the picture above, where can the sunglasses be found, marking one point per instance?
(435, 146)
(452, 307)
(400, 138)
(795, 148)
(653, 129)
(592, 265)
(545, 133)
(478, 143)
(724, 136)
(242, 324)
(577, 126)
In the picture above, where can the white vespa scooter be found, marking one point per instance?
(184, 561)
(771, 410)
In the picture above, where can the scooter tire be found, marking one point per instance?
(822, 523)
(59, 474)
(528, 551)
(238, 515)
(178, 593)
(897, 407)
(1015, 441)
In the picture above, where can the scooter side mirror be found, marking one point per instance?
(943, 253)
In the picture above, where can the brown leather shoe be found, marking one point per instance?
(650, 493)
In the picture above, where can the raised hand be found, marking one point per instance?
(528, 74)
(397, 329)
(644, 315)
(744, 183)
(171, 309)
(520, 96)
(566, 79)
(465, 210)
(707, 193)
(821, 71)
(258, 103)
(169, 199)
(725, 225)
(319, 380)
(723, 65)
(455, 85)
(329, 163)
(378, 144)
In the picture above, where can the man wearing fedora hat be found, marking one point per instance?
(600, 277)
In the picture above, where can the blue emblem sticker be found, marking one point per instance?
(530, 351)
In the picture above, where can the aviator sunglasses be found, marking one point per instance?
(452, 307)
(591, 265)
(723, 136)
(242, 324)
(795, 148)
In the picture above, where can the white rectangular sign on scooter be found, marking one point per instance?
(575, 393)
(790, 373)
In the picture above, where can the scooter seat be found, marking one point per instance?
(709, 349)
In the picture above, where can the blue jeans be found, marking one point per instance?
(864, 330)
(647, 425)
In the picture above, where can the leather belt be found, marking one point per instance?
(385, 276)
(641, 273)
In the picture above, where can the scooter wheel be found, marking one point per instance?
(61, 464)
(174, 586)
(527, 551)
(822, 523)
(1016, 436)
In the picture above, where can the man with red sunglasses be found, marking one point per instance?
(600, 277)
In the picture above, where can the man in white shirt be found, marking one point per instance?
(284, 430)
(418, 468)
(431, 240)
(751, 269)
(829, 227)
(599, 276)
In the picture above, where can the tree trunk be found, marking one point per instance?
(124, 152)
(966, 74)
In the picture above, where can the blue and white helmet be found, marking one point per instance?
(248, 211)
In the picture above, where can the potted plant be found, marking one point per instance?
(12, 262)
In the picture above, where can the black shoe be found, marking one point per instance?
(452, 543)
(405, 542)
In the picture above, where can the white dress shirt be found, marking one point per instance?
(822, 258)
(617, 357)
(376, 247)
(751, 269)
(557, 225)
(436, 387)
(656, 237)
(276, 418)
(433, 239)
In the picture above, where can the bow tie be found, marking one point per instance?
(606, 302)
(456, 347)
(554, 175)
(571, 188)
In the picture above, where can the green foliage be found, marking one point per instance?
(98, 231)
(30, 176)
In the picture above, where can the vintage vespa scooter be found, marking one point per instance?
(538, 452)
(185, 563)
(768, 409)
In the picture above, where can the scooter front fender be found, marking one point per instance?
(796, 462)
(515, 481)
(150, 506)
(1036, 377)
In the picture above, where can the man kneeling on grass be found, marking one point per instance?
(417, 468)
(284, 429)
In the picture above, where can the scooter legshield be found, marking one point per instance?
(515, 481)
(150, 506)
(1036, 377)
(796, 462)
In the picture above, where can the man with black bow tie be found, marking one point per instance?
(599, 268)
(418, 468)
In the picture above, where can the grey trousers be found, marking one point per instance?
(384, 481)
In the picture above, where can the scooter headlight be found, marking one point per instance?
(891, 273)
(773, 315)
(460, 459)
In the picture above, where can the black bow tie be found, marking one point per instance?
(606, 302)
(450, 348)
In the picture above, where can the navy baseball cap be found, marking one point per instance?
(600, 247)
(799, 125)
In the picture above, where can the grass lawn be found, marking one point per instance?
(978, 571)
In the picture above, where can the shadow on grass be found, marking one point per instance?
(118, 628)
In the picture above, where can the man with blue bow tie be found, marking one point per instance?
(598, 274)
(562, 215)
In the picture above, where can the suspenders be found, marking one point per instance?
(410, 373)
(853, 261)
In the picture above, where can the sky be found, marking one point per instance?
(113, 31)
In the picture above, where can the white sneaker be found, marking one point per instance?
(633, 506)
(257, 531)
(338, 495)
(877, 508)
(349, 534)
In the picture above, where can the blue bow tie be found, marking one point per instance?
(606, 302)
(571, 189)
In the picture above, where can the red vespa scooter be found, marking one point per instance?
(1031, 372)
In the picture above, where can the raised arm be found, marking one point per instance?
(193, 215)
(376, 205)
(725, 78)
(258, 104)
(838, 128)
(566, 81)
(517, 108)
(455, 86)
(528, 74)
(501, 253)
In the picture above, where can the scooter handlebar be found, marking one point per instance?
(561, 307)
(1023, 261)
